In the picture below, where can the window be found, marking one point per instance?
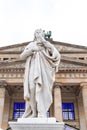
(19, 108)
(68, 111)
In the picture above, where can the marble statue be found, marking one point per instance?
(42, 61)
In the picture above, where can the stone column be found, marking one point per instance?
(57, 104)
(84, 96)
(2, 99)
(6, 111)
(81, 113)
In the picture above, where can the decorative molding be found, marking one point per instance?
(63, 47)
(13, 49)
(18, 63)
(18, 66)
(11, 75)
(72, 89)
(67, 48)
(68, 65)
(71, 75)
(20, 74)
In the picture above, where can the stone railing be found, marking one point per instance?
(69, 127)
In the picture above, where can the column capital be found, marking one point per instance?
(84, 84)
(2, 92)
(57, 85)
(3, 84)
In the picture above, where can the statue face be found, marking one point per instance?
(38, 34)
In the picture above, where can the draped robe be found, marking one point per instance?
(40, 68)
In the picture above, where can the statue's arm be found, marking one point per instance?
(28, 51)
(46, 44)
(51, 48)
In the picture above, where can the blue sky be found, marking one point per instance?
(67, 19)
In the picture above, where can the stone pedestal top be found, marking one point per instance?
(37, 124)
(37, 120)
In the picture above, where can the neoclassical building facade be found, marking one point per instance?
(69, 90)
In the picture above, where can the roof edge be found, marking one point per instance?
(48, 39)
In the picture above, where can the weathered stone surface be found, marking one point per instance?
(37, 124)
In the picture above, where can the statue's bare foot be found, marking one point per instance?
(32, 115)
(40, 115)
(26, 115)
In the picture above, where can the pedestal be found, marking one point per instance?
(37, 124)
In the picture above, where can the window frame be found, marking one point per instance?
(19, 109)
(68, 111)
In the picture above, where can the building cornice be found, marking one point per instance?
(71, 60)
(48, 39)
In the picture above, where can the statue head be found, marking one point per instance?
(38, 34)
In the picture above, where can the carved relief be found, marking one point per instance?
(20, 48)
(62, 65)
(15, 65)
(68, 65)
(67, 48)
(60, 75)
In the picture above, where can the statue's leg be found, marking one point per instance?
(33, 102)
(40, 114)
(28, 111)
(40, 106)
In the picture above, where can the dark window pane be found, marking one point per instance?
(16, 106)
(65, 115)
(19, 108)
(71, 115)
(22, 105)
(64, 106)
(16, 115)
(21, 113)
(68, 111)
(70, 106)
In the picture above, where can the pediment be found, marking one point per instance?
(62, 47)
(65, 47)
(14, 48)
(66, 62)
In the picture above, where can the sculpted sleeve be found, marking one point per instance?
(28, 51)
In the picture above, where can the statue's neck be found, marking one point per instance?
(38, 39)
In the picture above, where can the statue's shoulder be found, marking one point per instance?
(31, 44)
